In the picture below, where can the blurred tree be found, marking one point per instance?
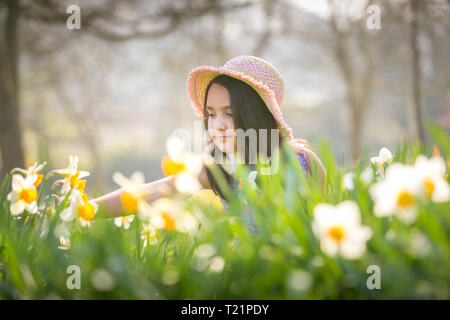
(10, 134)
(108, 20)
(416, 80)
(358, 79)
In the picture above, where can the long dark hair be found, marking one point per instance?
(249, 112)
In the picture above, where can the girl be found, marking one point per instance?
(245, 94)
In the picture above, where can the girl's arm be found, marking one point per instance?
(155, 189)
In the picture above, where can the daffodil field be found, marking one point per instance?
(379, 231)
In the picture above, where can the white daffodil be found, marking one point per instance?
(134, 190)
(339, 229)
(23, 195)
(32, 171)
(149, 234)
(64, 242)
(124, 221)
(384, 158)
(79, 208)
(164, 213)
(367, 175)
(184, 166)
(397, 193)
(431, 173)
(72, 176)
(347, 180)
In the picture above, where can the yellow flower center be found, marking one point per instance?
(28, 195)
(129, 202)
(170, 167)
(405, 199)
(169, 222)
(74, 179)
(78, 184)
(39, 180)
(429, 187)
(337, 233)
(87, 212)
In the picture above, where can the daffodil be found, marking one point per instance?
(366, 175)
(133, 190)
(431, 174)
(64, 242)
(339, 229)
(23, 195)
(182, 165)
(397, 193)
(32, 171)
(149, 234)
(382, 160)
(72, 176)
(165, 213)
(79, 208)
(124, 221)
(347, 180)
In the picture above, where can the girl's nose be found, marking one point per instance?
(221, 123)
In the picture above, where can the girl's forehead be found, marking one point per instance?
(218, 96)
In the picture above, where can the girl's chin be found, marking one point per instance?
(224, 147)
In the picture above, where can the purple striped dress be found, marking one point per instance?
(247, 214)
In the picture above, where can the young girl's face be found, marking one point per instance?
(220, 120)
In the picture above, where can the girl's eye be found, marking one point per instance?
(210, 115)
(229, 114)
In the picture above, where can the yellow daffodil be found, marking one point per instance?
(80, 208)
(431, 174)
(339, 229)
(134, 191)
(397, 193)
(168, 214)
(72, 176)
(124, 221)
(33, 171)
(23, 195)
(182, 165)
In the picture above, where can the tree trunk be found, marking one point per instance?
(417, 113)
(10, 132)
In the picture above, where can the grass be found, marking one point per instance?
(284, 261)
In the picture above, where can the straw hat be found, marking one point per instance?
(256, 72)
